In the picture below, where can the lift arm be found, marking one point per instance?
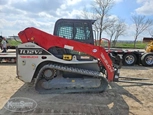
(47, 41)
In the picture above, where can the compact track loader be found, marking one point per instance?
(67, 61)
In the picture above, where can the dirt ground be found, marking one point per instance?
(119, 99)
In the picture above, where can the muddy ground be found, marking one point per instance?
(119, 99)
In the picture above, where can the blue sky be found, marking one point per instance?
(16, 15)
(124, 9)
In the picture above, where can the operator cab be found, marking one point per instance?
(75, 29)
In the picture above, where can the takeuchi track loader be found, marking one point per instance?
(66, 61)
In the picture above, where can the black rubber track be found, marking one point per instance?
(40, 80)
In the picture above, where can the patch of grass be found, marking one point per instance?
(139, 45)
(13, 43)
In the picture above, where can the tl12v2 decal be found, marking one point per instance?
(32, 51)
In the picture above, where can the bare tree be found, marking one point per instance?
(141, 24)
(117, 28)
(101, 9)
(120, 30)
(112, 29)
(151, 32)
(100, 12)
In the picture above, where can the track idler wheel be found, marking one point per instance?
(49, 74)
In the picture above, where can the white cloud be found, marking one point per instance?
(72, 2)
(16, 15)
(63, 6)
(118, 0)
(146, 8)
(140, 1)
(113, 17)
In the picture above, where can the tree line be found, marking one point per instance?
(114, 27)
